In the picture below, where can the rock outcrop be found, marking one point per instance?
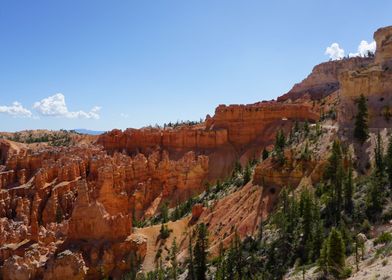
(324, 79)
(236, 132)
(374, 81)
(383, 38)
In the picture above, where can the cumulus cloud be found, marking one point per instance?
(364, 48)
(334, 51)
(55, 106)
(16, 110)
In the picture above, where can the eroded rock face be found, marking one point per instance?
(383, 38)
(235, 132)
(83, 199)
(91, 221)
(247, 124)
(324, 79)
(65, 266)
(373, 81)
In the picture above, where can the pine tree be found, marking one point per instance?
(191, 265)
(374, 199)
(322, 261)
(336, 253)
(361, 122)
(165, 212)
(173, 259)
(280, 142)
(306, 128)
(378, 155)
(230, 264)
(388, 162)
(265, 154)
(239, 257)
(318, 234)
(247, 174)
(334, 174)
(237, 168)
(220, 269)
(306, 205)
(348, 191)
(296, 127)
(200, 252)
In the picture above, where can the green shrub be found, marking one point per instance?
(346, 273)
(366, 227)
(385, 237)
(164, 232)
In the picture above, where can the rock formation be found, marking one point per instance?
(236, 132)
(81, 199)
(324, 79)
(374, 81)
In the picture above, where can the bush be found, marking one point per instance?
(164, 232)
(366, 227)
(346, 273)
(385, 237)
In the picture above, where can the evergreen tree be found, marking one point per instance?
(334, 174)
(322, 261)
(220, 267)
(165, 212)
(265, 154)
(237, 168)
(388, 162)
(361, 122)
(238, 256)
(230, 264)
(173, 259)
(280, 142)
(247, 174)
(348, 191)
(378, 155)
(296, 127)
(336, 253)
(306, 128)
(191, 265)
(374, 199)
(318, 234)
(200, 252)
(306, 207)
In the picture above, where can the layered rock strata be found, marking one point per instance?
(373, 81)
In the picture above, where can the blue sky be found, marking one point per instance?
(116, 64)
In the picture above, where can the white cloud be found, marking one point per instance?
(55, 106)
(334, 51)
(16, 110)
(364, 48)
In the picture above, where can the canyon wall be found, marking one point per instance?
(324, 79)
(236, 132)
(248, 123)
(373, 81)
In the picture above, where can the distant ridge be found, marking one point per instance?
(87, 131)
